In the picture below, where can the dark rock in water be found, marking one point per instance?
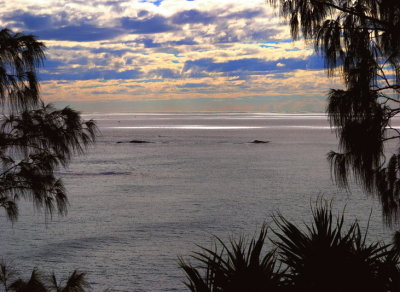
(134, 142)
(259, 142)
(139, 141)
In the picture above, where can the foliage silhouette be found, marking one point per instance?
(358, 39)
(35, 139)
(239, 266)
(7, 274)
(76, 282)
(34, 284)
(324, 256)
(20, 56)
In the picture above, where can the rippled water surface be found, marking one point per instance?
(136, 206)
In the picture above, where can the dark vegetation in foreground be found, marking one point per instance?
(37, 282)
(327, 255)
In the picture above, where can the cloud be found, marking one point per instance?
(185, 41)
(164, 73)
(149, 43)
(51, 64)
(252, 65)
(80, 33)
(207, 17)
(193, 85)
(30, 21)
(248, 13)
(154, 24)
(155, 2)
(115, 52)
(92, 74)
(171, 49)
(193, 16)
(58, 27)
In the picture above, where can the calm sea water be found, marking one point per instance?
(136, 207)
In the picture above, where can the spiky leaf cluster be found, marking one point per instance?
(37, 282)
(360, 40)
(325, 255)
(238, 266)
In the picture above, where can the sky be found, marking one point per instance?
(170, 55)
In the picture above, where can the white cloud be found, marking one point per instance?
(156, 41)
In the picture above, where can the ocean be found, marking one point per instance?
(136, 207)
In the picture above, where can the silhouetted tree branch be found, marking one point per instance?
(360, 40)
(35, 139)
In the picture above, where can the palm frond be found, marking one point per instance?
(36, 283)
(237, 266)
(327, 257)
(76, 283)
